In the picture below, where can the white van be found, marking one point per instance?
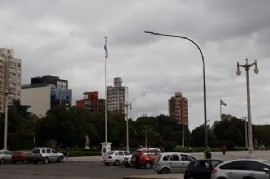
(172, 162)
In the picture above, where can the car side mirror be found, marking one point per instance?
(266, 170)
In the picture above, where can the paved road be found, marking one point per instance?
(92, 168)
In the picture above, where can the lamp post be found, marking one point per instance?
(204, 86)
(6, 120)
(126, 106)
(246, 137)
(238, 72)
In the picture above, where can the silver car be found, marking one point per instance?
(172, 162)
(242, 169)
(115, 157)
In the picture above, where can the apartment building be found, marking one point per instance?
(10, 77)
(117, 96)
(91, 102)
(178, 108)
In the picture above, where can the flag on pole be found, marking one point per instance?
(105, 47)
(222, 103)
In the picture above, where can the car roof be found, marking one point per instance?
(170, 153)
(235, 160)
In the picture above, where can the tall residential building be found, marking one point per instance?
(10, 76)
(117, 96)
(45, 92)
(178, 108)
(91, 102)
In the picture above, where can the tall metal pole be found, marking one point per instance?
(6, 120)
(204, 85)
(127, 131)
(183, 135)
(106, 100)
(238, 72)
(246, 137)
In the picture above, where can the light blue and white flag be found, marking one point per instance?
(105, 48)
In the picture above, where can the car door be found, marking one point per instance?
(185, 160)
(257, 169)
(175, 163)
(120, 156)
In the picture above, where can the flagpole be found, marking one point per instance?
(220, 109)
(106, 55)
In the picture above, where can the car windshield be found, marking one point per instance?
(266, 162)
(110, 153)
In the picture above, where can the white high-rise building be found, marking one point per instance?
(117, 96)
(10, 76)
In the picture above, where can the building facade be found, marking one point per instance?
(10, 77)
(91, 102)
(178, 108)
(44, 93)
(117, 96)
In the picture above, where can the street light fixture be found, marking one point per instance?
(238, 72)
(204, 85)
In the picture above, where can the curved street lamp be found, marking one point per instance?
(204, 86)
(238, 72)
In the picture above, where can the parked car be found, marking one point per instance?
(200, 169)
(20, 156)
(261, 147)
(242, 169)
(172, 162)
(144, 157)
(5, 156)
(115, 157)
(46, 155)
(127, 161)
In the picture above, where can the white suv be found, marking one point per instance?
(46, 155)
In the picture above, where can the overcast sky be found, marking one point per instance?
(65, 38)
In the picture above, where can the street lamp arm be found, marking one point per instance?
(183, 37)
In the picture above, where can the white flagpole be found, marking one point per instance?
(220, 109)
(106, 55)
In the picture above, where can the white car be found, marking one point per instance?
(5, 156)
(242, 168)
(172, 162)
(127, 161)
(115, 157)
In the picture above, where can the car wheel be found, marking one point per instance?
(2, 161)
(46, 160)
(117, 162)
(165, 171)
(148, 165)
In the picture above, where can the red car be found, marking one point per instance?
(144, 157)
(20, 156)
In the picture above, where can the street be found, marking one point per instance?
(68, 170)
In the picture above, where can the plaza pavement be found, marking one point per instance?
(230, 155)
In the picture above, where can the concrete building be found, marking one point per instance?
(91, 102)
(178, 108)
(10, 76)
(117, 96)
(45, 92)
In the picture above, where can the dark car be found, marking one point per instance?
(144, 157)
(201, 169)
(21, 156)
